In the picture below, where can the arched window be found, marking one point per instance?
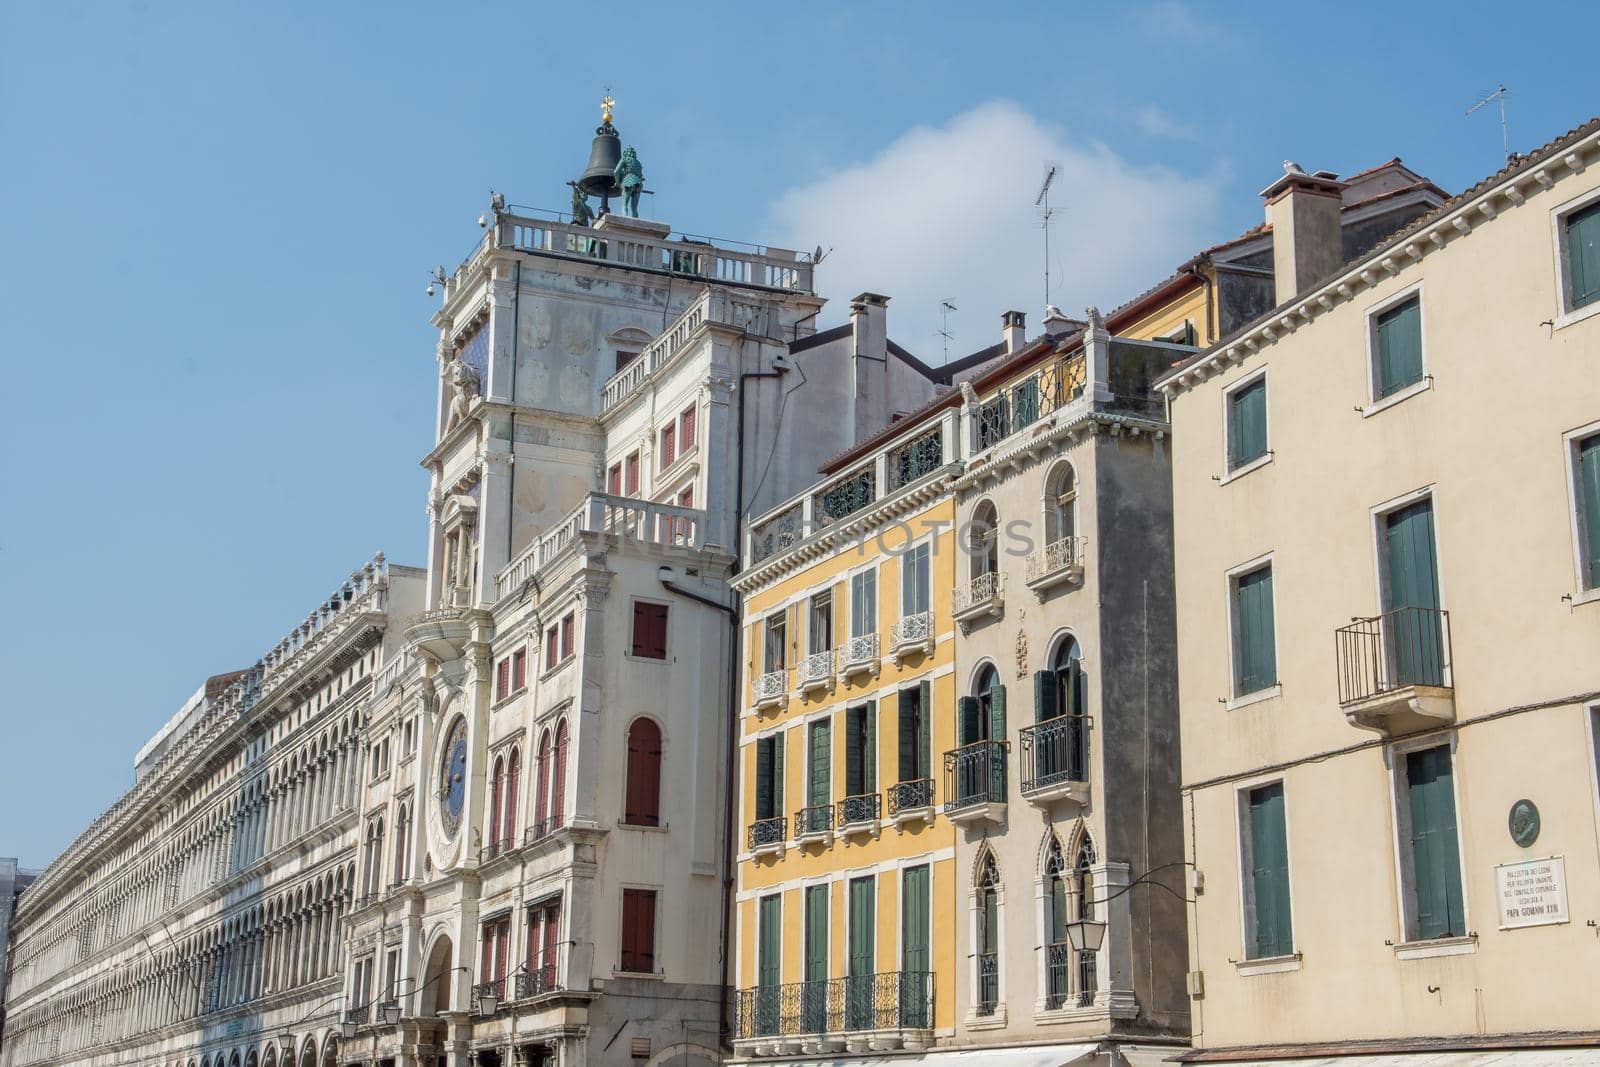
(1083, 888)
(1060, 505)
(988, 935)
(513, 778)
(402, 844)
(642, 806)
(1058, 952)
(980, 765)
(983, 541)
(1064, 746)
(558, 775)
(496, 802)
(541, 786)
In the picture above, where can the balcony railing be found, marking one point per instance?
(1060, 560)
(988, 982)
(623, 517)
(984, 592)
(541, 829)
(843, 499)
(859, 810)
(816, 669)
(912, 632)
(1057, 971)
(1403, 648)
(538, 980)
(813, 820)
(858, 654)
(496, 988)
(914, 795)
(894, 1000)
(365, 900)
(975, 775)
(1054, 752)
(771, 687)
(764, 833)
(917, 458)
(496, 847)
(360, 1016)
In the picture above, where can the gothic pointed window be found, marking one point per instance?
(1058, 951)
(1084, 893)
(988, 935)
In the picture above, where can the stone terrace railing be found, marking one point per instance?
(633, 520)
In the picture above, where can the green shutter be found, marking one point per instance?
(924, 766)
(1247, 424)
(854, 731)
(1026, 397)
(1077, 691)
(771, 923)
(906, 728)
(1589, 498)
(914, 954)
(968, 712)
(1435, 855)
(1269, 873)
(1583, 256)
(1415, 648)
(1044, 695)
(863, 925)
(821, 773)
(777, 774)
(997, 713)
(1058, 909)
(764, 778)
(1258, 658)
(1400, 347)
(816, 933)
(869, 748)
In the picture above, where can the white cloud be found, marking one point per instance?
(1157, 122)
(949, 212)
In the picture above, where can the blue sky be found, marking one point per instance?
(219, 218)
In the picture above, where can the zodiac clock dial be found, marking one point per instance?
(453, 776)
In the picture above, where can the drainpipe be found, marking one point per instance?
(1193, 267)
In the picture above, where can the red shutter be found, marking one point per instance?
(642, 806)
(558, 785)
(688, 428)
(552, 931)
(645, 945)
(519, 670)
(631, 482)
(502, 682)
(567, 646)
(614, 480)
(496, 794)
(502, 947)
(512, 776)
(542, 781)
(657, 648)
(485, 961)
(551, 645)
(668, 452)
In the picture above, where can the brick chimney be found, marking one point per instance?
(1013, 330)
(1303, 210)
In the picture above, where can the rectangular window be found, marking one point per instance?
(774, 642)
(863, 919)
(769, 921)
(624, 357)
(502, 679)
(686, 428)
(916, 960)
(1429, 849)
(686, 498)
(1397, 343)
(614, 480)
(915, 756)
(552, 647)
(769, 777)
(861, 749)
(1586, 492)
(1255, 651)
(1247, 424)
(650, 630)
(864, 603)
(639, 931)
(669, 446)
(821, 623)
(1581, 237)
(519, 669)
(630, 475)
(914, 581)
(568, 638)
(1266, 874)
(819, 787)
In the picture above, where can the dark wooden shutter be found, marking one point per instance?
(1044, 695)
(1589, 488)
(925, 730)
(650, 630)
(1583, 256)
(1435, 854)
(1247, 424)
(1258, 660)
(764, 778)
(1415, 638)
(863, 925)
(777, 774)
(907, 727)
(821, 773)
(502, 684)
(914, 928)
(770, 934)
(1269, 871)
(519, 669)
(997, 713)
(644, 774)
(854, 745)
(869, 775)
(816, 962)
(968, 712)
(1400, 347)
(688, 428)
(1077, 691)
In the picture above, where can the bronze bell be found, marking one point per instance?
(599, 178)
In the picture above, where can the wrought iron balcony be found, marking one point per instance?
(894, 1001)
(813, 823)
(816, 671)
(1061, 962)
(975, 782)
(1395, 670)
(916, 458)
(538, 980)
(496, 847)
(541, 829)
(365, 900)
(767, 835)
(859, 812)
(496, 989)
(1059, 562)
(911, 633)
(772, 688)
(911, 800)
(844, 498)
(360, 1016)
(1055, 759)
(983, 596)
(859, 655)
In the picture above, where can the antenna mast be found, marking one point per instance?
(1505, 133)
(1042, 201)
(945, 307)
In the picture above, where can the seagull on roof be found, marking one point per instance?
(1291, 167)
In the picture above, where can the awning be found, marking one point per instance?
(1036, 1056)
(1546, 1057)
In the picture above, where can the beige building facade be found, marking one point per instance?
(1385, 515)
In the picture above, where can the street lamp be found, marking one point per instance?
(391, 1013)
(1086, 935)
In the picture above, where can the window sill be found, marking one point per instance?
(501, 702)
(646, 827)
(634, 657)
(1577, 315)
(996, 1020)
(643, 976)
(1444, 946)
(1271, 692)
(1587, 596)
(550, 671)
(1254, 465)
(1268, 965)
(1421, 386)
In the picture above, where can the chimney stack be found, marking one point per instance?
(1013, 330)
(1307, 243)
(867, 326)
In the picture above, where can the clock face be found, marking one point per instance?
(453, 775)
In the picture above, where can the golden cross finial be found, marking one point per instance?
(606, 105)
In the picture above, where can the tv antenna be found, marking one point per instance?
(945, 307)
(1505, 133)
(1042, 201)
